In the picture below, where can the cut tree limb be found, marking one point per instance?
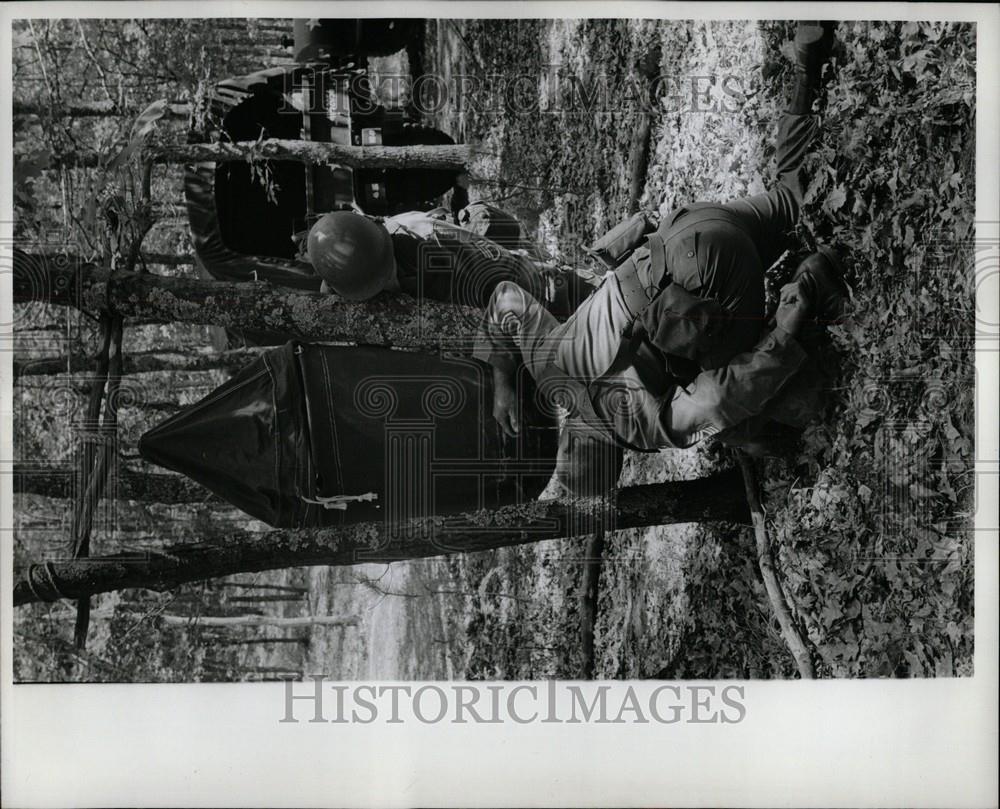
(258, 620)
(97, 481)
(147, 362)
(447, 157)
(789, 631)
(706, 499)
(90, 466)
(388, 320)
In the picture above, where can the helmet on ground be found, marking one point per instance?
(352, 254)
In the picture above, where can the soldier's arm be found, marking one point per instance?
(725, 396)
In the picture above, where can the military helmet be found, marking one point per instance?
(352, 253)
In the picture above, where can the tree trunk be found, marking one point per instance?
(90, 109)
(144, 363)
(450, 157)
(587, 601)
(388, 320)
(258, 620)
(126, 485)
(718, 497)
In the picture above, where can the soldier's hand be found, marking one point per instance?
(506, 409)
(793, 310)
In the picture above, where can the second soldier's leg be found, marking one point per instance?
(724, 397)
(771, 217)
(512, 334)
(513, 330)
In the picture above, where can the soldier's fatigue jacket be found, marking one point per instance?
(442, 261)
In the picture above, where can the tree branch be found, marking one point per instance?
(446, 157)
(789, 631)
(389, 320)
(128, 485)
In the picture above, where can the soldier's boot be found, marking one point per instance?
(813, 43)
(820, 278)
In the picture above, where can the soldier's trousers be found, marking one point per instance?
(517, 329)
(714, 251)
(722, 250)
(771, 217)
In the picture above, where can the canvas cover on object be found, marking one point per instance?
(381, 435)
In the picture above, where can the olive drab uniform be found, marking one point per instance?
(438, 259)
(463, 263)
(668, 350)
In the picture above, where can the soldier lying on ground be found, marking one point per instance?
(668, 350)
(426, 255)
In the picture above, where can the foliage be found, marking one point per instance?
(877, 551)
(870, 514)
(523, 623)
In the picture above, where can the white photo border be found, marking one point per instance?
(824, 743)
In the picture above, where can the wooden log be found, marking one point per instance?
(444, 157)
(387, 320)
(713, 498)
